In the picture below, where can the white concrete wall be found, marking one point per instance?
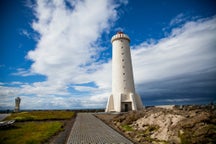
(122, 74)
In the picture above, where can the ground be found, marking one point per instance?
(38, 127)
(186, 125)
(176, 125)
(62, 136)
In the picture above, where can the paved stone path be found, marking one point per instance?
(88, 129)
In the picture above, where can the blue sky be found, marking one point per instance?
(57, 54)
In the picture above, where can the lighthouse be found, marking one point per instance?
(123, 97)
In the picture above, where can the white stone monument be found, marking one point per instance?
(123, 97)
(17, 104)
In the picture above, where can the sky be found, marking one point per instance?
(57, 54)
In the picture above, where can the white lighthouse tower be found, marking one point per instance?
(123, 97)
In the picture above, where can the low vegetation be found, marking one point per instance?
(34, 127)
(41, 115)
(179, 125)
(29, 132)
(127, 128)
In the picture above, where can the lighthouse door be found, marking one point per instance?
(126, 107)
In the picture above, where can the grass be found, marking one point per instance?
(41, 115)
(185, 138)
(127, 128)
(29, 132)
(34, 127)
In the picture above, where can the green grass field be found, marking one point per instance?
(34, 127)
(29, 132)
(41, 115)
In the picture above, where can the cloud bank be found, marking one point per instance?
(180, 67)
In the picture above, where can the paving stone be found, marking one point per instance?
(88, 129)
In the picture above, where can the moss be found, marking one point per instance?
(185, 137)
(150, 129)
(127, 128)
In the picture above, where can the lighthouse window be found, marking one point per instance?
(122, 47)
(122, 59)
(123, 73)
(122, 53)
(123, 66)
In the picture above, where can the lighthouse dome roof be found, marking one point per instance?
(120, 35)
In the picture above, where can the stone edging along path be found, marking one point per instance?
(88, 129)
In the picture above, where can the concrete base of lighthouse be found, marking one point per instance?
(125, 102)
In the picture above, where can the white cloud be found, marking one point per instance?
(189, 49)
(68, 38)
(22, 72)
(67, 50)
(25, 33)
(84, 88)
(8, 95)
(178, 19)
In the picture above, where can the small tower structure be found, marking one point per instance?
(17, 104)
(123, 97)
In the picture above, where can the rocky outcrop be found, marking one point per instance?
(164, 121)
(188, 125)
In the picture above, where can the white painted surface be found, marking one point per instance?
(123, 91)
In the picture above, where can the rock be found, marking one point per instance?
(188, 124)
